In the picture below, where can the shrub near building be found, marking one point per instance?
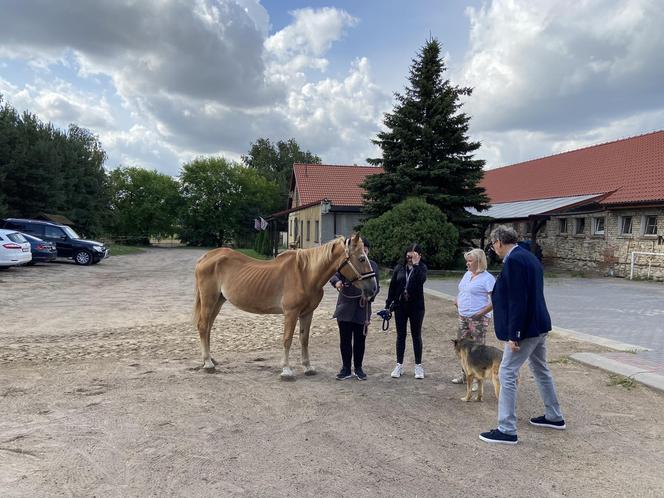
(413, 220)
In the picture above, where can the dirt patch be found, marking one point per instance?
(99, 396)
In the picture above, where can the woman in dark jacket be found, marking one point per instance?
(406, 298)
(352, 316)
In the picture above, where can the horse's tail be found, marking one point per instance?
(197, 305)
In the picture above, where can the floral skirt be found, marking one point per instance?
(473, 328)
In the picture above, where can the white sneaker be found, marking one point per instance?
(398, 370)
(419, 371)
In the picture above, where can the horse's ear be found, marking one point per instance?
(356, 238)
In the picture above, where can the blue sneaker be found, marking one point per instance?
(543, 422)
(495, 436)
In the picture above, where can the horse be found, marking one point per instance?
(290, 284)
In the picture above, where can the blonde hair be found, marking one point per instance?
(479, 256)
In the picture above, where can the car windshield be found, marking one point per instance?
(69, 231)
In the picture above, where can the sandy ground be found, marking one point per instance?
(99, 396)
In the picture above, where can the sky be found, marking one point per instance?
(161, 82)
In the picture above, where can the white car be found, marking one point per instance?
(14, 249)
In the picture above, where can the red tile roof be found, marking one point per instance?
(340, 184)
(630, 170)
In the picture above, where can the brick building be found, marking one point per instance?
(591, 208)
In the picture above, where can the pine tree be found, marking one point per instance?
(426, 150)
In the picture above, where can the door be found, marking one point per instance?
(60, 239)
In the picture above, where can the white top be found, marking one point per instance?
(474, 293)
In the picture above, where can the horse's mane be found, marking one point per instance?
(321, 254)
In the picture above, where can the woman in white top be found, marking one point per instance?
(474, 301)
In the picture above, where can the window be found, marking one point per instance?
(301, 230)
(53, 233)
(17, 237)
(562, 225)
(308, 230)
(579, 226)
(649, 225)
(316, 230)
(598, 226)
(295, 231)
(625, 225)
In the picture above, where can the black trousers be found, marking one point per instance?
(351, 343)
(401, 317)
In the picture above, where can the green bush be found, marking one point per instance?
(413, 220)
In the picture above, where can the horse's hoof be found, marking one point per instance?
(209, 370)
(465, 399)
(310, 371)
(214, 361)
(287, 378)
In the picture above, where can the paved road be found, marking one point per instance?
(612, 308)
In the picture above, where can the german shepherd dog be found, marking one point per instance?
(478, 362)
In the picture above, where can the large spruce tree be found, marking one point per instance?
(426, 150)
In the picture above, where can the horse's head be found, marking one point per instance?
(357, 268)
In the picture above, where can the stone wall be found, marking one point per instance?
(581, 248)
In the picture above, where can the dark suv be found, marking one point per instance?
(66, 240)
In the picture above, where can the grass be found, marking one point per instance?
(620, 380)
(562, 360)
(121, 250)
(445, 277)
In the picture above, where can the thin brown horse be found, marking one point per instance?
(291, 285)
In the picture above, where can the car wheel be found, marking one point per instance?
(83, 258)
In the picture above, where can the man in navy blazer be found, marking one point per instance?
(520, 318)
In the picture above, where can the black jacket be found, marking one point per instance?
(348, 303)
(519, 309)
(415, 288)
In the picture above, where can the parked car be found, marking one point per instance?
(42, 250)
(66, 240)
(14, 249)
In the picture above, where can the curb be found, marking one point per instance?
(645, 377)
(439, 294)
(601, 341)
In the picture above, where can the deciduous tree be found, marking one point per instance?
(144, 204)
(275, 162)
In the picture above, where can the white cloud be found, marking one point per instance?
(208, 50)
(193, 78)
(312, 32)
(60, 102)
(558, 72)
(340, 117)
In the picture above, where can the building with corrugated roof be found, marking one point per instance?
(594, 208)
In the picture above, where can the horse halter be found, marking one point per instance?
(359, 276)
